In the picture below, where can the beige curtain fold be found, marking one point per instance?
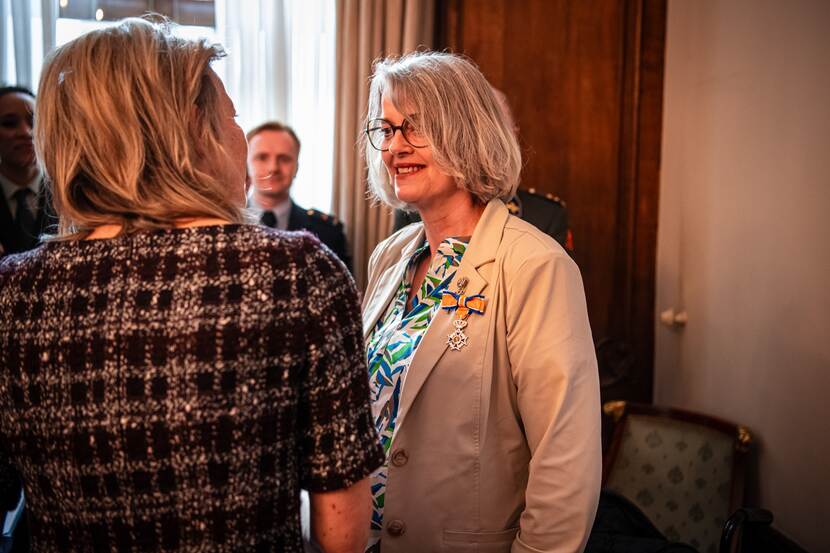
(367, 30)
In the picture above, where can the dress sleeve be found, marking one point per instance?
(554, 368)
(338, 444)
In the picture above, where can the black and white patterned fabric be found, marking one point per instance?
(173, 390)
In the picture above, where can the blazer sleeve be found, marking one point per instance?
(555, 371)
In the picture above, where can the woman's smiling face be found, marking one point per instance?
(417, 179)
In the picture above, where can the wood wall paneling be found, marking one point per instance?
(584, 78)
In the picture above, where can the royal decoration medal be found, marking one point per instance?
(463, 306)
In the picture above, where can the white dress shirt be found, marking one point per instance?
(10, 189)
(281, 211)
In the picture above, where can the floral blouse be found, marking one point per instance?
(392, 346)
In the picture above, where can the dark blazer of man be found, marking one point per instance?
(326, 227)
(14, 239)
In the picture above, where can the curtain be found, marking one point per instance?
(49, 21)
(22, 31)
(255, 72)
(27, 49)
(366, 30)
(280, 66)
(4, 32)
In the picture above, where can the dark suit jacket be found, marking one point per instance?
(548, 214)
(328, 229)
(545, 213)
(45, 221)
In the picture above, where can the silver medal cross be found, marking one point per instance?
(457, 339)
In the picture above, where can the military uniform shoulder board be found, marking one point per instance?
(548, 196)
(324, 217)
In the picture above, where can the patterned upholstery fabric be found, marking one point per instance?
(679, 474)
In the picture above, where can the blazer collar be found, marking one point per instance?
(481, 250)
(389, 280)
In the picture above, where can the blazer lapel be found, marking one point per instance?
(387, 286)
(481, 250)
(388, 282)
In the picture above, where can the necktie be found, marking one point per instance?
(269, 219)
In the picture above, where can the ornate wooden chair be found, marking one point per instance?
(684, 470)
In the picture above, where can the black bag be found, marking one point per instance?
(621, 527)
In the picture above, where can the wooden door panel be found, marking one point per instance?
(589, 120)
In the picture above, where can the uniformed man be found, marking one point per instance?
(548, 213)
(25, 206)
(273, 150)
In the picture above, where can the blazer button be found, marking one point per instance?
(400, 457)
(396, 528)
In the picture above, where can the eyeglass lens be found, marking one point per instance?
(381, 132)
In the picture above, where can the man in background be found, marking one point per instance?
(273, 151)
(25, 206)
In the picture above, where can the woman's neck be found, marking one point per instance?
(111, 231)
(21, 176)
(454, 216)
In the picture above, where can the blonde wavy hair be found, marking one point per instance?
(471, 137)
(127, 119)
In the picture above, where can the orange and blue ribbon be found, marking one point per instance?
(463, 304)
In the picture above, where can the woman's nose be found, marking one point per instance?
(25, 128)
(399, 143)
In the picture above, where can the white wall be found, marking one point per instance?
(744, 238)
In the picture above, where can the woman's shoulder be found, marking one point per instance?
(392, 247)
(16, 263)
(401, 238)
(259, 237)
(522, 240)
(300, 253)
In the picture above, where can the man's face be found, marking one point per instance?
(16, 123)
(272, 162)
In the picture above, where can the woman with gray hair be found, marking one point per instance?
(482, 369)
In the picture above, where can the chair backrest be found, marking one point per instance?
(683, 470)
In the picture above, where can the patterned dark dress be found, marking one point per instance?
(173, 390)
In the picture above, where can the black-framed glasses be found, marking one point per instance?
(381, 132)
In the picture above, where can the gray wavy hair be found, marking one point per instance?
(470, 136)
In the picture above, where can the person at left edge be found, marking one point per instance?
(25, 206)
(273, 151)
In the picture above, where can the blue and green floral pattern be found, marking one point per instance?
(392, 346)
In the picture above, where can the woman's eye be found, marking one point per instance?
(412, 128)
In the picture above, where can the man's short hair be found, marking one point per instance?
(274, 126)
(16, 89)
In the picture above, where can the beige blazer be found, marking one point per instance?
(497, 446)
